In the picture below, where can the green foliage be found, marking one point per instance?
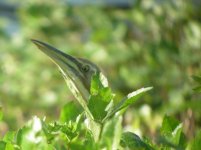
(111, 133)
(97, 104)
(172, 135)
(128, 100)
(198, 80)
(152, 43)
(195, 143)
(100, 98)
(77, 131)
(74, 132)
(70, 112)
(133, 141)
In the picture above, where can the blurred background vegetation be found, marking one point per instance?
(137, 43)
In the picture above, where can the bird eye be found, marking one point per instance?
(85, 68)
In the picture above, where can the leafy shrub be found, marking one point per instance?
(100, 129)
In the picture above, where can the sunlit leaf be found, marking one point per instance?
(95, 84)
(111, 134)
(132, 97)
(19, 136)
(128, 100)
(171, 130)
(97, 103)
(70, 112)
(10, 146)
(100, 97)
(133, 141)
(9, 137)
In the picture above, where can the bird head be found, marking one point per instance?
(76, 71)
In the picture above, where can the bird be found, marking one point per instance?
(76, 71)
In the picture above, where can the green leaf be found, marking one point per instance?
(195, 144)
(128, 100)
(197, 78)
(9, 137)
(197, 89)
(98, 82)
(111, 133)
(70, 112)
(98, 103)
(2, 145)
(9, 146)
(132, 97)
(133, 141)
(103, 79)
(94, 127)
(169, 124)
(171, 130)
(31, 136)
(77, 146)
(89, 141)
(19, 136)
(100, 97)
(95, 84)
(87, 144)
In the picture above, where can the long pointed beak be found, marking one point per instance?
(56, 55)
(68, 65)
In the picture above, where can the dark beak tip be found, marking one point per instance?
(37, 43)
(34, 41)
